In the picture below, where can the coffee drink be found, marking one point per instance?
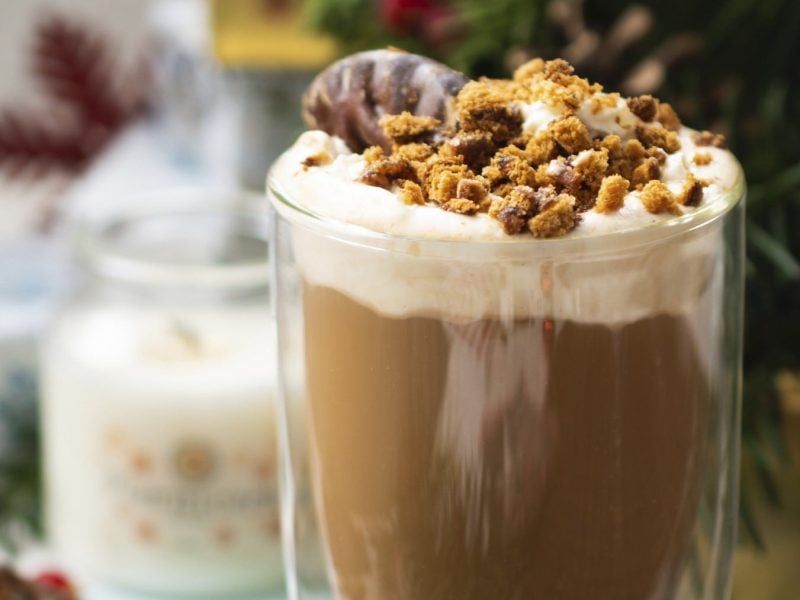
(512, 340)
(528, 459)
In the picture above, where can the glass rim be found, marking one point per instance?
(622, 239)
(97, 241)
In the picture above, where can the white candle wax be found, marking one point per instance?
(160, 448)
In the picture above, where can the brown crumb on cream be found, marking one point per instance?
(612, 193)
(414, 152)
(541, 148)
(318, 159)
(374, 154)
(591, 166)
(658, 136)
(603, 101)
(645, 107)
(475, 148)
(411, 193)
(442, 180)
(556, 219)
(571, 134)
(667, 116)
(701, 159)
(515, 209)
(510, 165)
(384, 172)
(472, 189)
(556, 68)
(706, 138)
(648, 170)
(560, 173)
(529, 69)
(657, 198)
(406, 128)
(462, 206)
(692, 192)
(486, 108)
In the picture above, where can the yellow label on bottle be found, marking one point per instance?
(267, 33)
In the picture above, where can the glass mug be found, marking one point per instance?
(529, 419)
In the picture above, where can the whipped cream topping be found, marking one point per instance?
(589, 275)
(334, 191)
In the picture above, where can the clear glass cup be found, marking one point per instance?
(158, 401)
(523, 419)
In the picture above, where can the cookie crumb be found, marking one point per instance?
(442, 179)
(658, 136)
(563, 174)
(462, 206)
(645, 107)
(406, 128)
(509, 165)
(603, 101)
(529, 69)
(414, 152)
(541, 148)
(707, 138)
(702, 159)
(692, 192)
(411, 193)
(667, 116)
(374, 154)
(571, 134)
(556, 219)
(657, 198)
(557, 67)
(612, 193)
(316, 160)
(383, 172)
(485, 108)
(648, 170)
(475, 148)
(514, 210)
(591, 167)
(472, 189)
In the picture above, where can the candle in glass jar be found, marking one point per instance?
(159, 429)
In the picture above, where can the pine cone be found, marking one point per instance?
(348, 98)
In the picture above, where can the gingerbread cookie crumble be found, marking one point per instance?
(657, 198)
(702, 159)
(706, 138)
(315, 160)
(612, 194)
(478, 153)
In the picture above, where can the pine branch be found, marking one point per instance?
(76, 68)
(31, 146)
(75, 65)
(20, 461)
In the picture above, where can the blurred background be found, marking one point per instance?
(100, 101)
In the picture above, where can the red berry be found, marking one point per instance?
(403, 15)
(54, 580)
